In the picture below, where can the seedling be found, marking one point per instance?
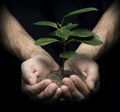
(68, 33)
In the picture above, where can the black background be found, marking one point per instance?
(107, 98)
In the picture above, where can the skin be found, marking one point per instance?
(43, 90)
(21, 44)
(109, 33)
(80, 89)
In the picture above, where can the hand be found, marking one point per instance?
(74, 88)
(33, 68)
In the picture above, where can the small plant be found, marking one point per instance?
(68, 33)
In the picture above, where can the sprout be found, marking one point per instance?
(68, 33)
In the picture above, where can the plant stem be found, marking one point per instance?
(63, 60)
(62, 21)
(69, 41)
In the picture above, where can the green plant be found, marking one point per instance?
(68, 33)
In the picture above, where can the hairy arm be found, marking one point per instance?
(16, 39)
(108, 29)
(37, 61)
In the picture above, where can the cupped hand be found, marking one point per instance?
(32, 69)
(74, 88)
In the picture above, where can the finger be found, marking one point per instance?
(48, 92)
(30, 79)
(41, 71)
(37, 88)
(92, 79)
(80, 84)
(56, 96)
(66, 94)
(75, 63)
(76, 94)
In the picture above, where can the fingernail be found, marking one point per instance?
(74, 79)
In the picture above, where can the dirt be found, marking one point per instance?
(57, 76)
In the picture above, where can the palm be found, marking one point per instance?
(78, 88)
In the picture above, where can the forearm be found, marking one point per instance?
(15, 38)
(108, 30)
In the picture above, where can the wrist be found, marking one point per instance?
(38, 51)
(93, 52)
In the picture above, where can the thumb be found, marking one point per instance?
(31, 80)
(92, 80)
(28, 76)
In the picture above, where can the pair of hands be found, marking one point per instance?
(74, 89)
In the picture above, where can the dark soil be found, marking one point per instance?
(57, 76)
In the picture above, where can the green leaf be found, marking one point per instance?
(81, 33)
(81, 11)
(68, 54)
(47, 23)
(70, 26)
(76, 12)
(62, 33)
(59, 25)
(93, 40)
(45, 41)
